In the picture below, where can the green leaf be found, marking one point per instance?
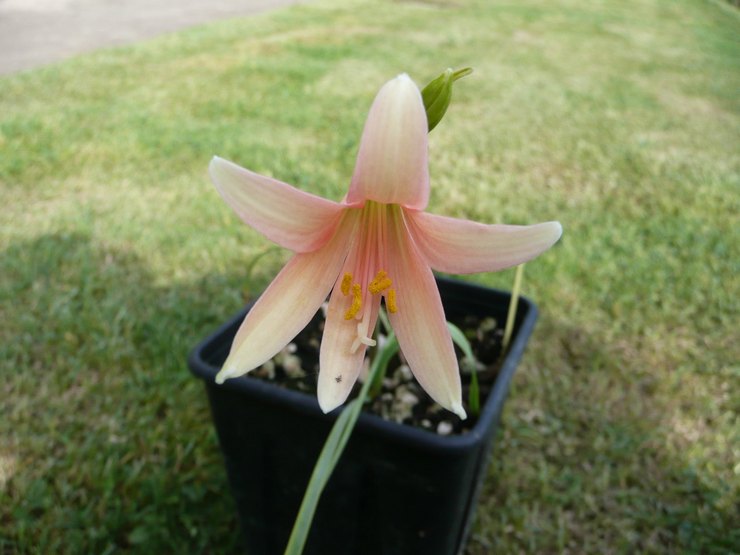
(332, 451)
(458, 337)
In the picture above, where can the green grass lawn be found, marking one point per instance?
(619, 118)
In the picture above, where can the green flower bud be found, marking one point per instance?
(438, 93)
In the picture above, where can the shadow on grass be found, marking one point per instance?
(108, 443)
(583, 461)
(107, 439)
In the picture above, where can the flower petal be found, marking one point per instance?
(419, 322)
(287, 305)
(464, 247)
(292, 218)
(338, 365)
(392, 165)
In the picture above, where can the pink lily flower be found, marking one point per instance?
(377, 243)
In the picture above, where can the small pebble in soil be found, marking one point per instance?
(402, 399)
(403, 373)
(403, 404)
(486, 325)
(292, 366)
(445, 428)
(267, 370)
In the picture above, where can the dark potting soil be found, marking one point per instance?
(401, 399)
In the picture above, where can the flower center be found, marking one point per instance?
(379, 284)
(364, 280)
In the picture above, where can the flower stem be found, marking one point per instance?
(332, 451)
(513, 304)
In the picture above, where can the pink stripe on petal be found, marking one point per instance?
(287, 305)
(392, 164)
(419, 322)
(292, 218)
(463, 247)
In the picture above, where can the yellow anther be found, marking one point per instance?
(380, 282)
(346, 283)
(356, 302)
(390, 301)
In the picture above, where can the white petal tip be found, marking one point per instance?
(552, 231)
(333, 390)
(226, 373)
(404, 80)
(327, 406)
(557, 229)
(215, 163)
(459, 410)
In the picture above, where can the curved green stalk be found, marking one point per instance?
(513, 304)
(332, 451)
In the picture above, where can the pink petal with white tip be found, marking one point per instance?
(292, 218)
(287, 305)
(342, 354)
(419, 321)
(463, 247)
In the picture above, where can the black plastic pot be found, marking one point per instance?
(396, 490)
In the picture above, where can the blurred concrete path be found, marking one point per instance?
(37, 32)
